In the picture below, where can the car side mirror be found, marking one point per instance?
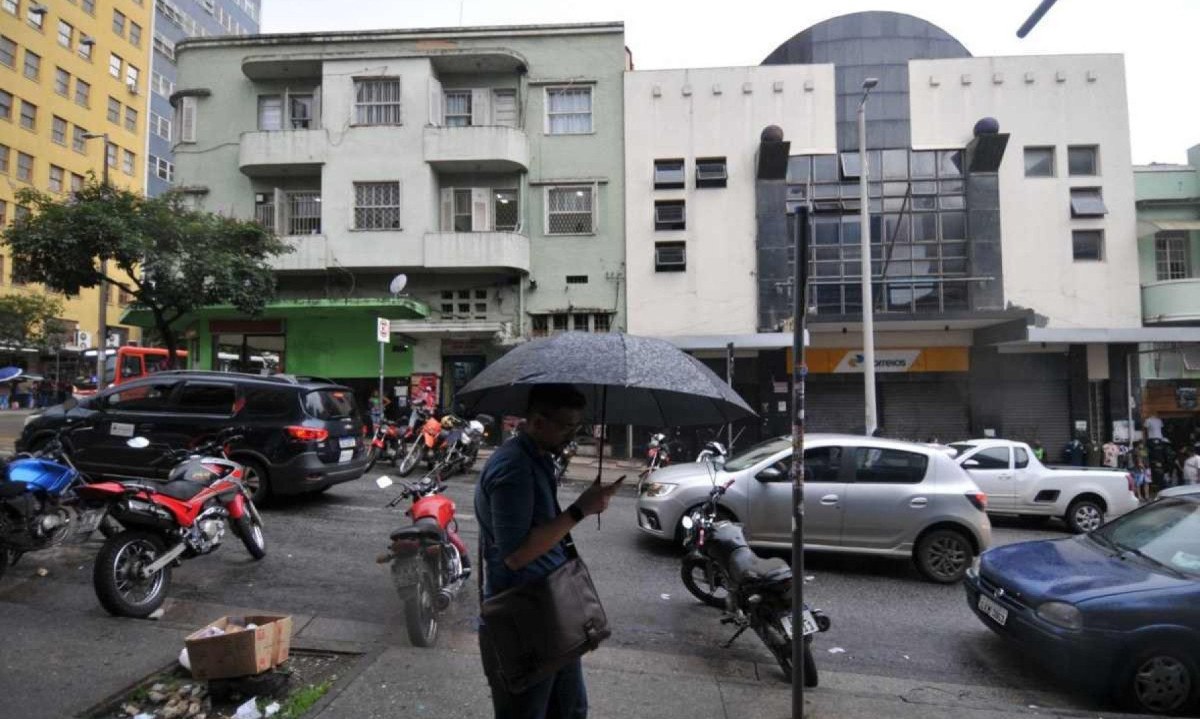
(970, 464)
(770, 474)
(138, 442)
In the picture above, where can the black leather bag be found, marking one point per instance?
(533, 630)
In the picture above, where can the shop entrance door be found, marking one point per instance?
(458, 371)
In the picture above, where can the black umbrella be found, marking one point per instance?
(626, 379)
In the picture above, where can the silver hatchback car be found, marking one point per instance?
(863, 495)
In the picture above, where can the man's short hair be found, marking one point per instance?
(545, 399)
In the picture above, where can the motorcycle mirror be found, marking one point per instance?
(138, 442)
(384, 482)
(687, 522)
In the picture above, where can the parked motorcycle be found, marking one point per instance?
(721, 570)
(184, 517)
(451, 445)
(408, 450)
(430, 563)
(563, 458)
(39, 502)
(385, 444)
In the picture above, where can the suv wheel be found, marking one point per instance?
(254, 477)
(1084, 515)
(943, 555)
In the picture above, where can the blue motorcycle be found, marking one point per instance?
(39, 507)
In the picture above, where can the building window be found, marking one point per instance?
(83, 93)
(114, 111)
(568, 110)
(62, 82)
(668, 174)
(25, 167)
(458, 108)
(76, 182)
(1039, 162)
(78, 141)
(36, 18)
(377, 205)
(711, 172)
(506, 211)
(162, 169)
(111, 157)
(12, 7)
(85, 48)
(1081, 160)
(89, 6)
(300, 111)
(66, 34)
(570, 210)
(377, 101)
(28, 115)
(133, 77)
(128, 160)
(670, 257)
(577, 279)
(57, 177)
(6, 105)
(160, 125)
(58, 130)
(1087, 202)
(33, 65)
(270, 112)
(131, 118)
(303, 212)
(135, 34)
(5, 151)
(8, 51)
(161, 85)
(670, 215)
(185, 118)
(118, 23)
(461, 211)
(1171, 256)
(114, 65)
(601, 322)
(164, 47)
(1087, 244)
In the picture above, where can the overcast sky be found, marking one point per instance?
(1157, 37)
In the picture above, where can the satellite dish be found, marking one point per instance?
(399, 282)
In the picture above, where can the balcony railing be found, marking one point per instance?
(1171, 301)
(297, 213)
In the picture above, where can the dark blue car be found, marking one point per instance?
(1116, 610)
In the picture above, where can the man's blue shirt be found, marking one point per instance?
(515, 493)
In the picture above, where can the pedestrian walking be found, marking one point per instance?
(521, 533)
(1141, 479)
(1191, 466)
(1112, 454)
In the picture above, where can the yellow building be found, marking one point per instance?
(70, 68)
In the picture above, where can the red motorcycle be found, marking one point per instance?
(430, 563)
(184, 517)
(385, 444)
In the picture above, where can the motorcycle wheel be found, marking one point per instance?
(411, 457)
(249, 529)
(372, 456)
(120, 591)
(693, 572)
(419, 616)
(471, 456)
(779, 642)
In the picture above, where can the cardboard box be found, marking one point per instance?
(239, 653)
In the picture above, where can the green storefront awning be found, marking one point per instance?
(391, 308)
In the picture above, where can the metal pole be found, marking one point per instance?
(1129, 393)
(102, 290)
(868, 302)
(729, 379)
(381, 344)
(799, 307)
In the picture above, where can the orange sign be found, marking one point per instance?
(831, 360)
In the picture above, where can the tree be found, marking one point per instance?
(31, 320)
(172, 260)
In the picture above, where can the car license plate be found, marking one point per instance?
(346, 456)
(809, 622)
(345, 442)
(992, 609)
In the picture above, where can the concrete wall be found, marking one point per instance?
(1045, 100)
(713, 112)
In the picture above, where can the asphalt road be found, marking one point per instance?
(11, 422)
(886, 620)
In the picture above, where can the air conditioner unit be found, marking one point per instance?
(83, 339)
(87, 40)
(38, 9)
(133, 88)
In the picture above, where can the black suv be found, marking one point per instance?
(299, 434)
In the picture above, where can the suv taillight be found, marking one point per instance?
(979, 499)
(308, 434)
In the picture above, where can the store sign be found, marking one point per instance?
(885, 361)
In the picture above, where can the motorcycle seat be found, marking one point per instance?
(424, 529)
(8, 490)
(749, 568)
(181, 489)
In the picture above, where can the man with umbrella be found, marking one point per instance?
(521, 535)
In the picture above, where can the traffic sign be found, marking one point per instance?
(383, 330)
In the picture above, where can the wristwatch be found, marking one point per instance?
(575, 512)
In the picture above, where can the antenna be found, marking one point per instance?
(399, 282)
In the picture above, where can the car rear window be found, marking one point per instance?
(888, 466)
(329, 403)
(269, 402)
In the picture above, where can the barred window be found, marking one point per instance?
(570, 210)
(377, 205)
(377, 101)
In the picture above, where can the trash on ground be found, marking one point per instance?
(836, 650)
(666, 596)
(249, 710)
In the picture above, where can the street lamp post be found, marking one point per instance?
(868, 301)
(102, 315)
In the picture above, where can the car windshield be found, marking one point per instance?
(329, 403)
(757, 453)
(1166, 532)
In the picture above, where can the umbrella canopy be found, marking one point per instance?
(626, 379)
(10, 373)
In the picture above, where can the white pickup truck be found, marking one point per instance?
(1017, 483)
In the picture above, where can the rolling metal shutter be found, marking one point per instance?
(918, 411)
(833, 406)
(1037, 410)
